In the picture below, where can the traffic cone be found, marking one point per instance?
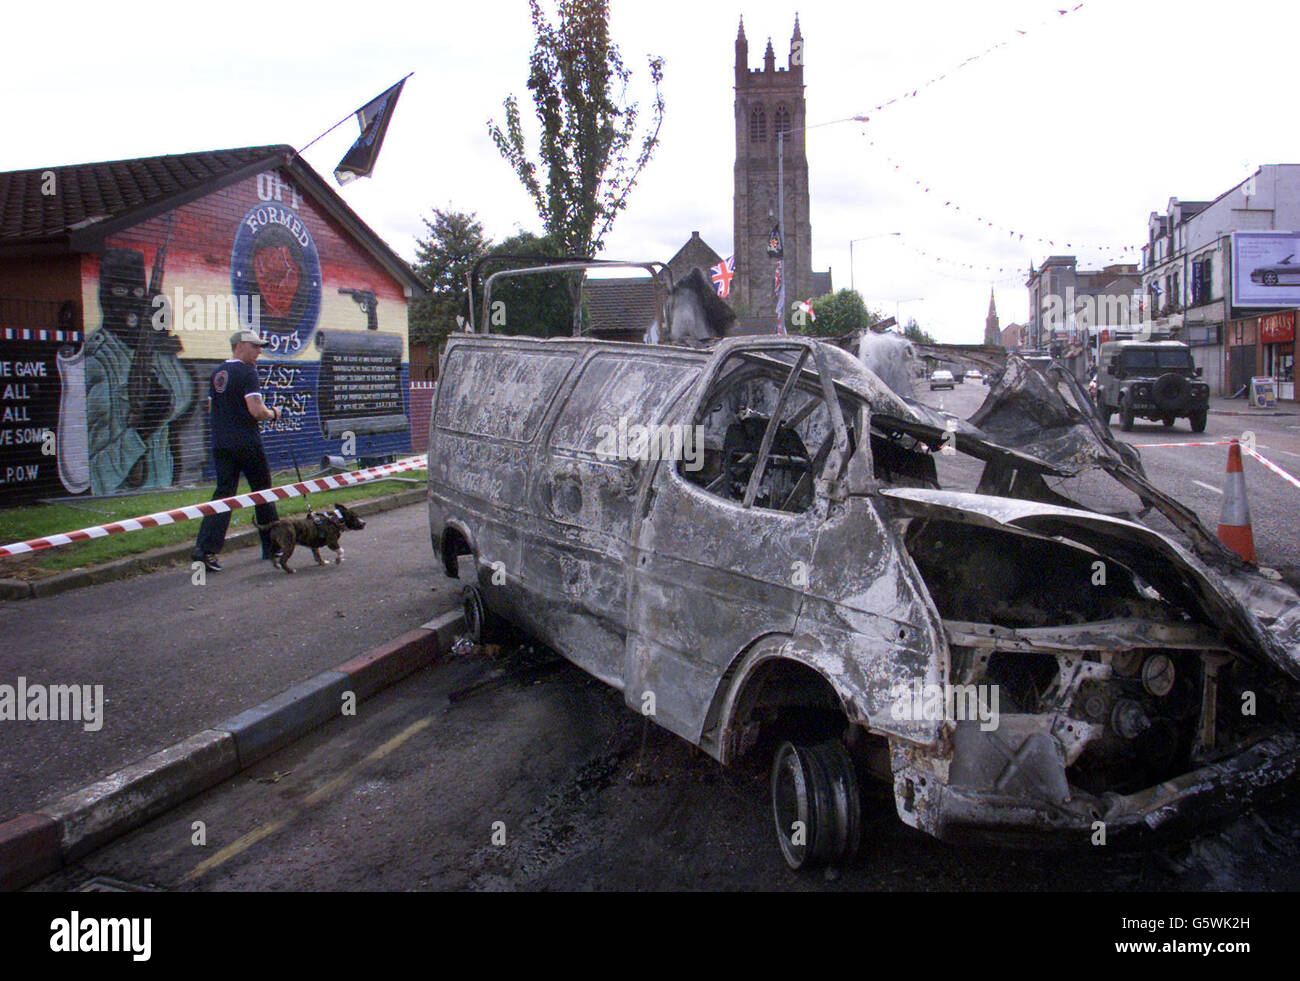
(1234, 521)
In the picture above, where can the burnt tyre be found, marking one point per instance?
(1197, 419)
(816, 804)
(482, 626)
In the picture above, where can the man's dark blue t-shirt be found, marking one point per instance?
(233, 427)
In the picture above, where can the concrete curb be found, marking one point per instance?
(11, 589)
(34, 845)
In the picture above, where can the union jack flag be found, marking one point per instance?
(723, 273)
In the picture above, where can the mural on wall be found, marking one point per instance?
(260, 255)
(135, 385)
(274, 263)
(125, 409)
(30, 390)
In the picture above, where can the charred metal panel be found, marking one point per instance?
(1175, 573)
(710, 578)
(584, 503)
(868, 623)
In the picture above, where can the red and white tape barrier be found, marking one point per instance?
(268, 496)
(1274, 467)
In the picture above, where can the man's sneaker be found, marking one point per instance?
(208, 559)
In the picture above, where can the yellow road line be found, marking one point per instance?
(256, 835)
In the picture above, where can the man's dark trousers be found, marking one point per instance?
(230, 464)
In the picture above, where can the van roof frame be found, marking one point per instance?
(660, 275)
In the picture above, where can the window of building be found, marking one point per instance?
(782, 121)
(758, 125)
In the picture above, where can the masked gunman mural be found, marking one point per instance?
(136, 386)
(127, 399)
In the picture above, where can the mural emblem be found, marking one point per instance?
(274, 258)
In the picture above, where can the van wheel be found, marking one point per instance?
(1168, 420)
(816, 804)
(1197, 419)
(482, 626)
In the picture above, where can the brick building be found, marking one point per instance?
(120, 285)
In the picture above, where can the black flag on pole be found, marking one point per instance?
(373, 117)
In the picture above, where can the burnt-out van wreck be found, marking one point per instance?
(769, 550)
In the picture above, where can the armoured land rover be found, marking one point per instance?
(1151, 380)
(777, 557)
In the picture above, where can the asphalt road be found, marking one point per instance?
(175, 657)
(514, 772)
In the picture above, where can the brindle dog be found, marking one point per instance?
(315, 530)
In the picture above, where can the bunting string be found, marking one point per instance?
(917, 89)
(1112, 253)
(1007, 270)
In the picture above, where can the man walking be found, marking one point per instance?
(235, 407)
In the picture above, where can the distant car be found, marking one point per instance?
(941, 379)
(974, 375)
(1284, 273)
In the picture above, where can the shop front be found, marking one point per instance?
(1277, 352)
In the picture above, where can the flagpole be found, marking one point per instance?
(299, 153)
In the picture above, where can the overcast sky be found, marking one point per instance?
(1073, 131)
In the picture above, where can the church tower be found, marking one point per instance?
(770, 100)
(992, 334)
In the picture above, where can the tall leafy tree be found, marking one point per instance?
(585, 166)
(837, 314)
(454, 242)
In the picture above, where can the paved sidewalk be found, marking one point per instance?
(175, 658)
(1221, 405)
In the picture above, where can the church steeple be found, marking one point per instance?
(770, 99)
(742, 54)
(992, 333)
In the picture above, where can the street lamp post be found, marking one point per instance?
(780, 200)
(865, 238)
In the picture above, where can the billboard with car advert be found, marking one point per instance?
(1266, 269)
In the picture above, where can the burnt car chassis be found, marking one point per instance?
(1122, 705)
